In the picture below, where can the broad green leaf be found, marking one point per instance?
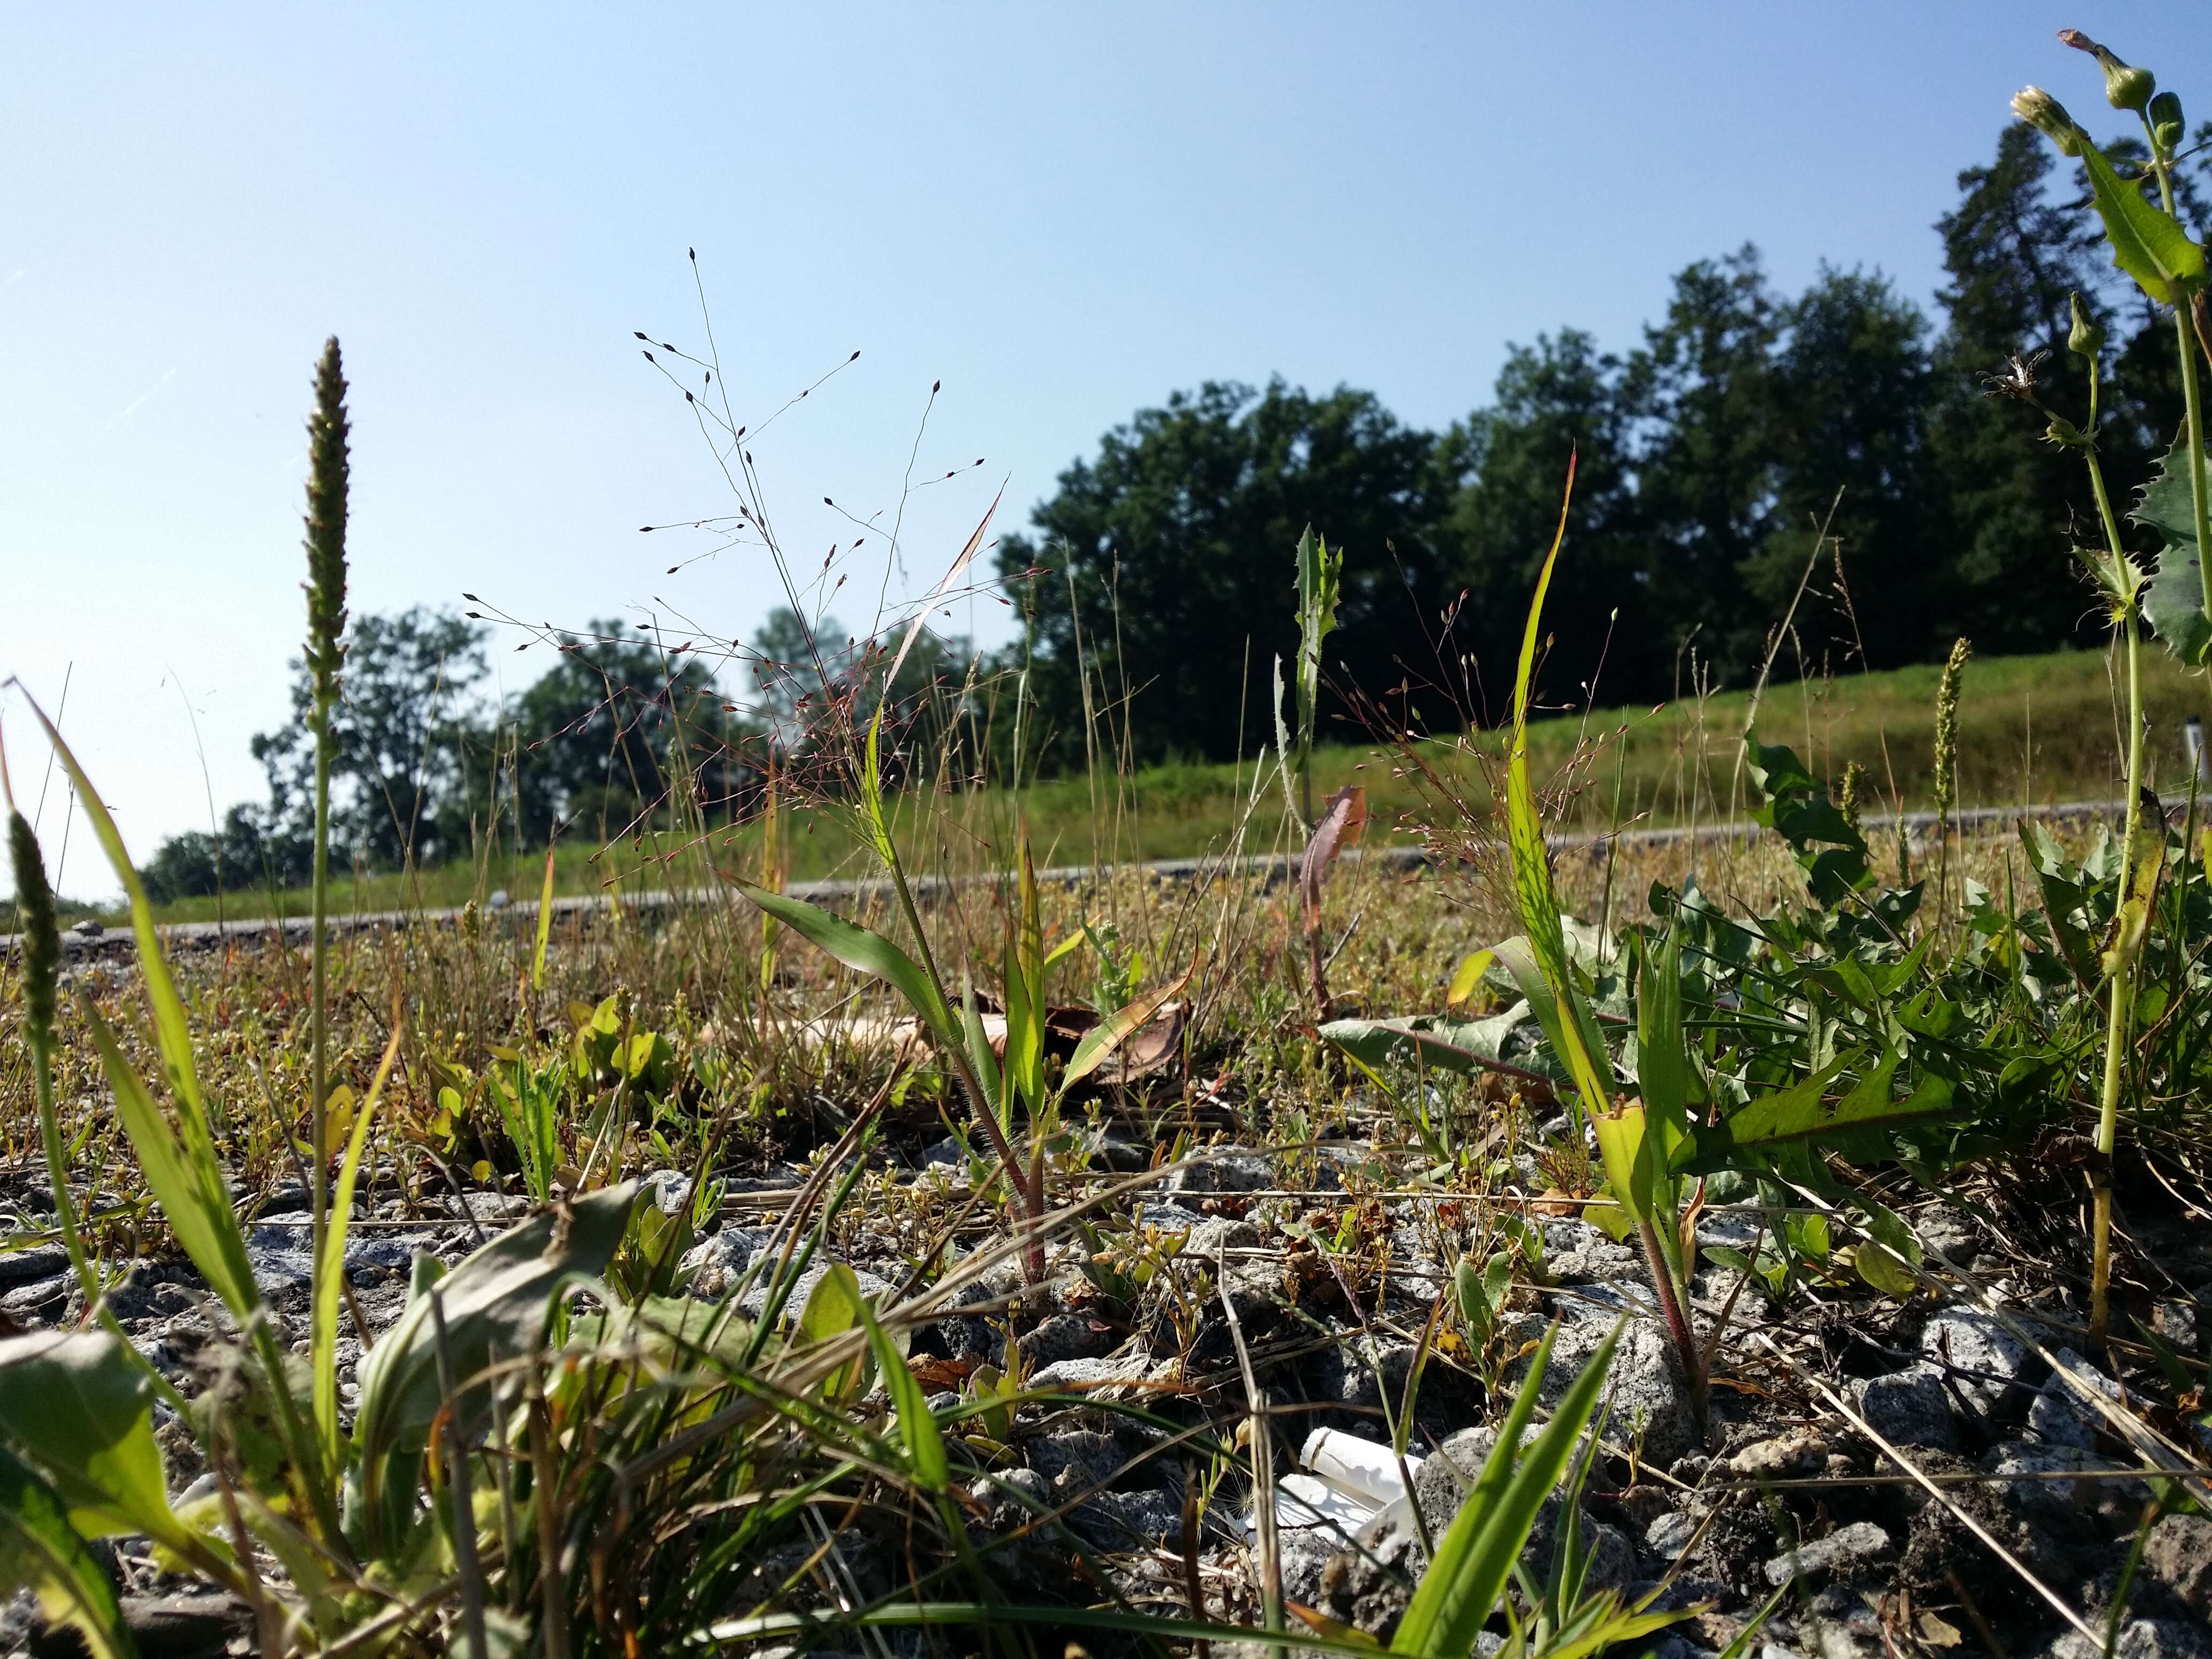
(1100, 1042)
(188, 1185)
(833, 1306)
(80, 1407)
(1801, 1113)
(1476, 1555)
(496, 1304)
(41, 1552)
(1025, 971)
(925, 1445)
(1433, 1041)
(2174, 601)
(1879, 1266)
(866, 951)
(1320, 573)
(1571, 1029)
(2147, 241)
(1625, 1144)
(871, 795)
(1662, 1056)
(982, 1060)
(1832, 854)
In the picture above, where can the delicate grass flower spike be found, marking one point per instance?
(328, 469)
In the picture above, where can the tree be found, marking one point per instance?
(2014, 257)
(411, 756)
(812, 678)
(1559, 397)
(1162, 571)
(604, 735)
(1853, 385)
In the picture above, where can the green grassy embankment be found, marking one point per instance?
(2031, 729)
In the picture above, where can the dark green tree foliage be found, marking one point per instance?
(1167, 570)
(812, 683)
(409, 754)
(2015, 253)
(1560, 396)
(613, 726)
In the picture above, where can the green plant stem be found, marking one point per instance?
(1028, 1195)
(318, 957)
(1661, 1263)
(50, 1131)
(2119, 1014)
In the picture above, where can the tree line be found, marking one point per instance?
(1751, 443)
(1709, 457)
(622, 732)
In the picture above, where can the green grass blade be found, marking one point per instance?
(544, 926)
(925, 1445)
(188, 1185)
(861, 950)
(1534, 894)
(330, 1267)
(172, 1036)
(1476, 1555)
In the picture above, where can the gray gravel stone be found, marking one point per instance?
(2179, 1555)
(755, 1300)
(1991, 1357)
(1076, 1460)
(2060, 1415)
(1910, 1408)
(2139, 1639)
(2054, 1502)
(1128, 1521)
(1669, 1536)
(1225, 1172)
(23, 1266)
(1067, 1336)
(1840, 1554)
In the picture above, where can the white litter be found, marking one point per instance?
(1348, 1481)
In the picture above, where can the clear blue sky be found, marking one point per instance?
(1063, 213)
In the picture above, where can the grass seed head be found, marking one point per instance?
(40, 931)
(327, 435)
(1946, 725)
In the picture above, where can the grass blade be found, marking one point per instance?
(544, 926)
(330, 1267)
(1477, 1553)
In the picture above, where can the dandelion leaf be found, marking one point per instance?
(2174, 601)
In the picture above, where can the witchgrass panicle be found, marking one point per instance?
(327, 434)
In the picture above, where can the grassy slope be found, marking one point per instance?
(2031, 729)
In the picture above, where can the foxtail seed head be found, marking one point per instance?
(326, 526)
(40, 931)
(1854, 782)
(1947, 726)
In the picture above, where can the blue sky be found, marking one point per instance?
(1061, 213)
